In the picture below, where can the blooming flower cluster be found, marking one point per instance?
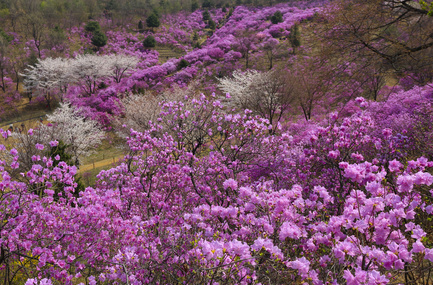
(210, 196)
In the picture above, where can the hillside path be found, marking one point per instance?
(100, 163)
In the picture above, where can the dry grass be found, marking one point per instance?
(165, 53)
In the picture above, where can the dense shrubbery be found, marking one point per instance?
(290, 177)
(205, 196)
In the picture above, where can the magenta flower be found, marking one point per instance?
(13, 152)
(15, 165)
(45, 282)
(429, 254)
(302, 265)
(39, 146)
(351, 280)
(334, 154)
(405, 183)
(395, 165)
(387, 132)
(230, 183)
(291, 230)
(31, 282)
(418, 247)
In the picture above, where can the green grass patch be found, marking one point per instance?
(89, 177)
(109, 149)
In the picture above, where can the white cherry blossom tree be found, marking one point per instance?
(122, 65)
(268, 94)
(49, 78)
(90, 70)
(81, 135)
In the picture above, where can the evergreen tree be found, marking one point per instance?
(149, 42)
(140, 26)
(207, 4)
(182, 64)
(99, 39)
(206, 15)
(92, 27)
(153, 21)
(194, 6)
(277, 18)
(295, 37)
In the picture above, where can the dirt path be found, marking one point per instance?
(100, 163)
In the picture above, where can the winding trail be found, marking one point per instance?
(99, 163)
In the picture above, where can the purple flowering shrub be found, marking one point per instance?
(408, 114)
(206, 196)
(218, 55)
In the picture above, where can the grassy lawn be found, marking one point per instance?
(165, 53)
(88, 177)
(107, 150)
(105, 157)
(24, 112)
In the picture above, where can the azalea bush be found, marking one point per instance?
(209, 191)
(206, 196)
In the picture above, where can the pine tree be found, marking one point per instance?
(194, 6)
(149, 42)
(92, 27)
(277, 18)
(153, 21)
(207, 4)
(295, 37)
(140, 26)
(206, 15)
(99, 39)
(182, 64)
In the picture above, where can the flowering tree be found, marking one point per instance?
(266, 94)
(233, 204)
(48, 77)
(80, 135)
(90, 70)
(122, 65)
